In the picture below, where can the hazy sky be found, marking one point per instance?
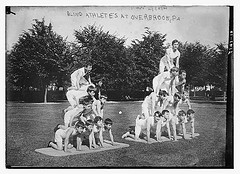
(207, 24)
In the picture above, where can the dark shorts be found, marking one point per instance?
(131, 130)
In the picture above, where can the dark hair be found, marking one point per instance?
(163, 93)
(103, 96)
(91, 88)
(108, 121)
(174, 41)
(174, 69)
(178, 95)
(157, 114)
(79, 124)
(183, 71)
(97, 118)
(181, 113)
(89, 64)
(86, 100)
(164, 111)
(89, 122)
(190, 111)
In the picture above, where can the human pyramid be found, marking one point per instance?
(160, 108)
(83, 119)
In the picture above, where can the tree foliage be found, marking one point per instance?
(38, 58)
(146, 54)
(107, 53)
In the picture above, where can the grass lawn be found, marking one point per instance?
(30, 126)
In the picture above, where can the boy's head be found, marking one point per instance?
(162, 94)
(177, 97)
(165, 114)
(175, 44)
(100, 83)
(108, 123)
(181, 115)
(88, 67)
(89, 125)
(190, 111)
(103, 98)
(91, 90)
(80, 126)
(183, 74)
(86, 102)
(174, 71)
(157, 116)
(98, 121)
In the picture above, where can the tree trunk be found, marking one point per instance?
(45, 94)
(194, 92)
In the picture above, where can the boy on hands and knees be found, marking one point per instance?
(98, 105)
(147, 125)
(181, 122)
(166, 81)
(154, 123)
(107, 126)
(61, 134)
(171, 104)
(97, 131)
(87, 135)
(74, 97)
(165, 118)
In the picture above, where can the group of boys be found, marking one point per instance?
(160, 108)
(83, 119)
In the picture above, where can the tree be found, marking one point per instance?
(107, 53)
(146, 55)
(195, 61)
(39, 58)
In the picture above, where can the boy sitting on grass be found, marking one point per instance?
(61, 135)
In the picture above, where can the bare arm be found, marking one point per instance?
(66, 141)
(158, 130)
(177, 61)
(148, 129)
(96, 107)
(79, 143)
(111, 136)
(101, 136)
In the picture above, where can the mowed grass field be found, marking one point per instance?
(30, 126)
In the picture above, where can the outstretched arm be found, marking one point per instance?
(177, 61)
(111, 136)
(101, 136)
(79, 143)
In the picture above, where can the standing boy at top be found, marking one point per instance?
(81, 78)
(172, 54)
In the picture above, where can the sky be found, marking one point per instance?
(206, 24)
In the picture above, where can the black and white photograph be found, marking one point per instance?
(119, 86)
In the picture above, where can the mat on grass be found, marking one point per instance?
(107, 146)
(152, 140)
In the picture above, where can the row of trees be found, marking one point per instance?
(42, 57)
